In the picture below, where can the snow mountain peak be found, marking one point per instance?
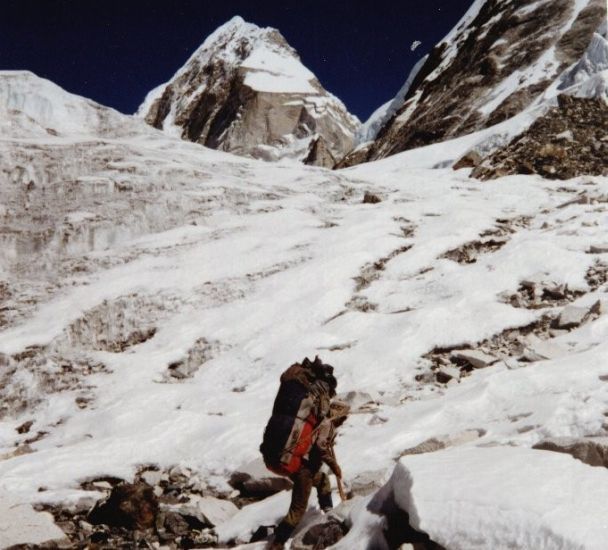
(245, 90)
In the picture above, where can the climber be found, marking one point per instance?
(299, 438)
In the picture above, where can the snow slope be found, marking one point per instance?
(153, 291)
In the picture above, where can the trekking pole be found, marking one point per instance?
(339, 479)
(341, 489)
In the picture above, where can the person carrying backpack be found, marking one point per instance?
(299, 438)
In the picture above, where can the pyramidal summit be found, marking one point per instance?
(245, 91)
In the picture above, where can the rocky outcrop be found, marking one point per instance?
(319, 154)
(590, 450)
(568, 141)
(134, 506)
(492, 66)
(245, 91)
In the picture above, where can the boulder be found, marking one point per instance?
(320, 535)
(598, 248)
(501, 497)
(210, 511)
(176, 524)
(20, 524)
(254, 479)
(572, 317)
(371, 198)
(152, 477)
(25, 427)
(476, 358)
(590, 450)
(134, 506)
(540, 350)
(446, 373)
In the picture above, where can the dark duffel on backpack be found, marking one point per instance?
(300, 405)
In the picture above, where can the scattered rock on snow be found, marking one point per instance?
(590, 450)
(508, 345)
(540, 150)
(442, 442)
(25, 427)
(538, 292)
(468, 252)
(371, 198)
(598, 248)
(571, 317)
(597, 275)
(201, 351)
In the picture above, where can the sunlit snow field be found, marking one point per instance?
(165, 253)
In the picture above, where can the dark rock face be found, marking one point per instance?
(324, 535)
(354, 157)
(590, 450)
(455, 93)
(568, 141)
(320, 155)
(133, 506)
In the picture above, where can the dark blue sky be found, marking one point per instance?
(115, 51)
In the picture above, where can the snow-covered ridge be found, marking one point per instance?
(498, 61)
(33, 106)
(370, 128)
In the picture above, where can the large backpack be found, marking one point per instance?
(300, 405)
